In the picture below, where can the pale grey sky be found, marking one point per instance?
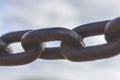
(34, 14)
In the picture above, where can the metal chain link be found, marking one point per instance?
(72, 46)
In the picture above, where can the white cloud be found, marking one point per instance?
(33, 14)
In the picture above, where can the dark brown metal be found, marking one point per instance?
(4, 49)
(96, 52)
(112, 30)
(91, 29)
(18, 58)
(52, 53)
(87, 30)
(36, 37)
(72, 46)
(13, 36)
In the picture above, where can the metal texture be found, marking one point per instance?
(19, 58)
(72, 46)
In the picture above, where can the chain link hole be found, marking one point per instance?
(94, 40)
(17, 47)
(53, 44)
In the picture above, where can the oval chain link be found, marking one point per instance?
(71, 48)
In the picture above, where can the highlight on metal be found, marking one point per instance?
(72, 43)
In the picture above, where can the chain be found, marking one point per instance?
(72, 46)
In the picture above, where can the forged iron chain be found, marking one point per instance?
(72, 46)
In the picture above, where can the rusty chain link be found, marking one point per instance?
(72, 46)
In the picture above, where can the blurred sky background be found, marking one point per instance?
(36, 14)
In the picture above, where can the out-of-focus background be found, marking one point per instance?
(36, 14)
